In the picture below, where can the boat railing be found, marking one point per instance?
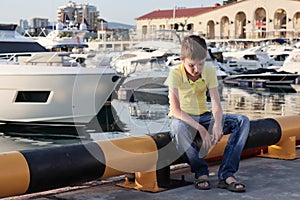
(40, 58)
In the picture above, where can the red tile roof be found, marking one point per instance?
(181, 12)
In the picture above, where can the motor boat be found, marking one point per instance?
(261, 78)
(144, 66)
(228, 66)
(147, 66)
(292, 65)
(145, 56)
(12, 42)
(42, 89)
(64, 38)
(279, 53)
(50, 88)
(292, 62)
(251, 58)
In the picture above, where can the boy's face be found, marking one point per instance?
(193, 67)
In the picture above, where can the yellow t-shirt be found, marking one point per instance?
(192, 95)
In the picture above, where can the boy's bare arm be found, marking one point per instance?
(217, 113)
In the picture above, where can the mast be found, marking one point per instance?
(174, 13)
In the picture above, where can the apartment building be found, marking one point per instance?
(73, 14)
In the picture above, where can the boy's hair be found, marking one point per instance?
(194, 47)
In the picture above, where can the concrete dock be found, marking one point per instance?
(265, 178)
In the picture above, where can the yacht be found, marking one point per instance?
(261, 78)
(144, 55)
(292, 62)
(53, 88)
(292, 65)
(147, 66)
(42, 87)
(287, 75)
(12, 42)
(279, 53)
(64, 38)
(42, 90)
(251, 58)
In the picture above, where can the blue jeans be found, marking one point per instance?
(186, 139)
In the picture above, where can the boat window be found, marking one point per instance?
(32, 96)
(250, 57)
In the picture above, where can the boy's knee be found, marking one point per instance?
(243, 119)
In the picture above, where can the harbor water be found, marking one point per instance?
(147, 114)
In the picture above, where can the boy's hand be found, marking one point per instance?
(217, 134)
(206, 138)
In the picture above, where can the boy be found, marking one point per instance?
(188, 84)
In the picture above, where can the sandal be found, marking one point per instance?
(232, 186)
(199, 187)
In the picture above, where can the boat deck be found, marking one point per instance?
(264, 178)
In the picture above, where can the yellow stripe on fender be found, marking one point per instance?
(290, 126)
(15, 175)
(133, 154)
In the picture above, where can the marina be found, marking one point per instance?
(142, 112)
(84, 110)
(136, 106)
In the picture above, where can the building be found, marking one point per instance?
(23, 26)
(39, 22)
(242, 19)
(73, 14)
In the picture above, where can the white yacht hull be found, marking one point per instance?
(53, 94)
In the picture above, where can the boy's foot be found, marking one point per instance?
(231, 184)
(202, 183)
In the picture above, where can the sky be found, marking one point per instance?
(122, 11)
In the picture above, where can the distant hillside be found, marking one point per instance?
(114, 25)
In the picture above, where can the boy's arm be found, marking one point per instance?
(217, 113)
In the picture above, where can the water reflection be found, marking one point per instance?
(138, 118)
(144, 117)
(260, 103)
